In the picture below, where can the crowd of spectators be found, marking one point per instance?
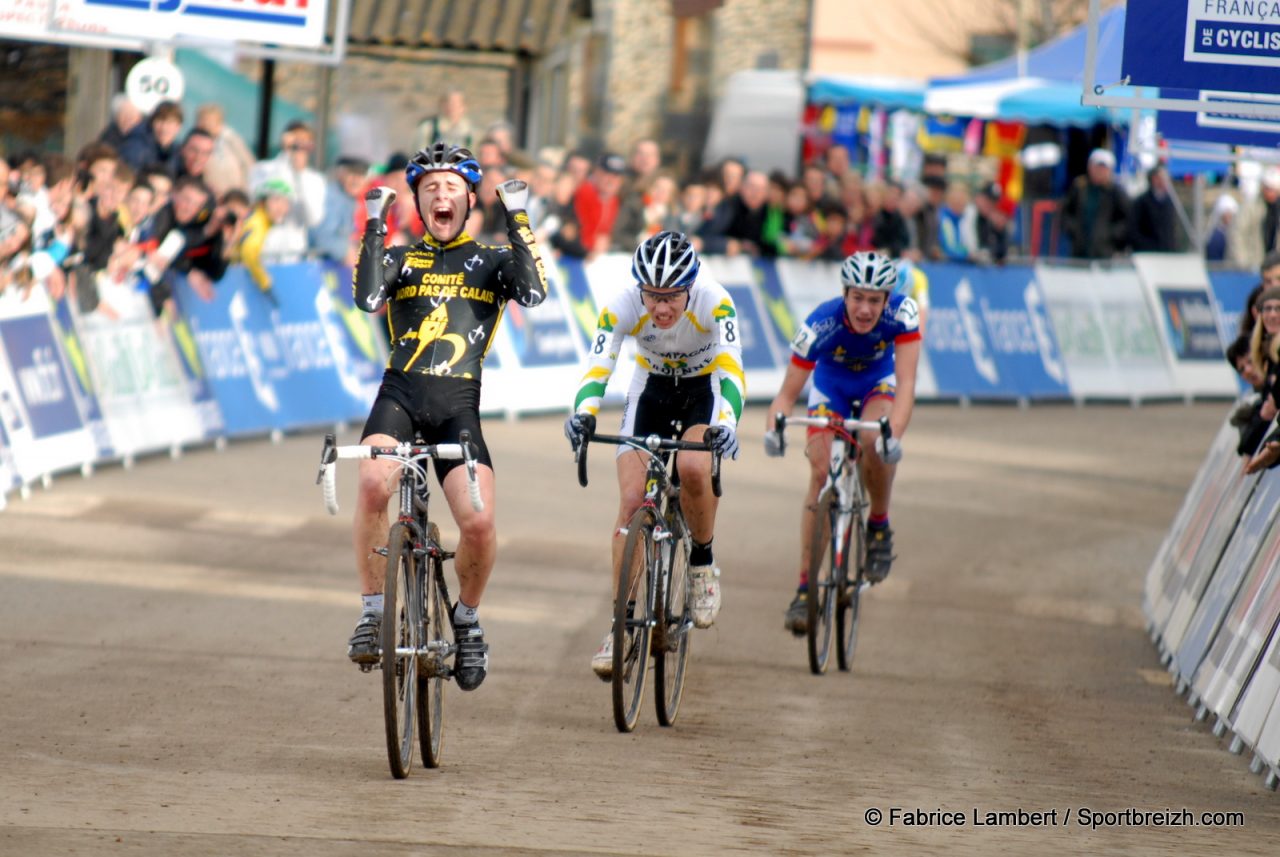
(146, 198)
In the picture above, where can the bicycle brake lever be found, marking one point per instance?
(328, 455)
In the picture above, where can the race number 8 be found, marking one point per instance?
(730, 334)
(599, 346)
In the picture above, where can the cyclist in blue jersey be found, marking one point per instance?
(862, 350)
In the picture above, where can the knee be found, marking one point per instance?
(478, 527)
(695, 472)
(373, 492)
(629, 501)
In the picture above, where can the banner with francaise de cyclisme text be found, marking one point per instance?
(1231, 45)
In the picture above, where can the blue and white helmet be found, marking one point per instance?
(869, 270)
(665, 261)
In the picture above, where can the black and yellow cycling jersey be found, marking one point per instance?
(444, 302)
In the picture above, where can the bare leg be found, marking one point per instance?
(696, 497)
(478, 541)
(370, 524)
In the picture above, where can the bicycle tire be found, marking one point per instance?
(847, 608)
(437, 626)
(399, 631)
(632, 620)
(675, 621)
(820, 601)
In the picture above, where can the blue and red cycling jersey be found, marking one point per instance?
(849, 366)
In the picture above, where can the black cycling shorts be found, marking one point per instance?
(431, 409)
(665, 402)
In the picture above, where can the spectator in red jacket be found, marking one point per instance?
(596, 202)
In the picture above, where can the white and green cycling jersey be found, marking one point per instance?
(705, 341)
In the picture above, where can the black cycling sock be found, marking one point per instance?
(701, 554)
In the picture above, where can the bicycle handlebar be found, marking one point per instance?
(327, 478)
(781, 421)
(653, 444)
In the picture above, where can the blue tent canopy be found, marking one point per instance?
(1059, 59)
(888, 92)
(1044, 87)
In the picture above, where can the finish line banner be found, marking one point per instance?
(1229, 45)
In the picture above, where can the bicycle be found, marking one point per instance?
(417, 628)
(839, 533)
(653, 603)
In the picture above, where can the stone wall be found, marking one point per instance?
(749, 34)
(379, 97)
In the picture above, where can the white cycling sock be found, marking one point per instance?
(372, 603)
(464, 615)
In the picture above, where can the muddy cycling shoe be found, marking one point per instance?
(704, 580)
(797, 621)
(472, 662)
(879, 553)
(364, 648)
(602, 660)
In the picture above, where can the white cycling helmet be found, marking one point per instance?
(868, 270)
(665, 261)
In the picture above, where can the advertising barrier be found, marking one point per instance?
(1177, 288)
(138, 384)
(1213, 599)
(45, 430)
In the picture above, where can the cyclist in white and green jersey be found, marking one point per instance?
(688, 377)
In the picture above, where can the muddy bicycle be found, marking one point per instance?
(839, 538)
(653, 602)
(417, 628)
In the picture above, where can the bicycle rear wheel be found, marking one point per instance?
(400, 626)
(675, 621)
(821, 580)
(437, 632)
(632, 615)
(855, 553)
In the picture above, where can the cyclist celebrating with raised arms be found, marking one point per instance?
(444, 298)
(862, 348)
(688, 378)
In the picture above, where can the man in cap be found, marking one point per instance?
(1095, 213)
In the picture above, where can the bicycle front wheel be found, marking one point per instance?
(400, 626)
(850, 588)
(633, 619)
(821, 600)
(675, 621)
(432, 668)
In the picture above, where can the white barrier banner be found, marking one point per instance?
(1167, 575)
(1079, 325)
(1259, 696)
(1131, 334)
(1230, 573)
(143, 394)
(37, 407)
(1244, 633)
(1177, 289)
(1238, 490)
(1268, 743)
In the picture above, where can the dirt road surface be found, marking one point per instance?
(174, 679)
